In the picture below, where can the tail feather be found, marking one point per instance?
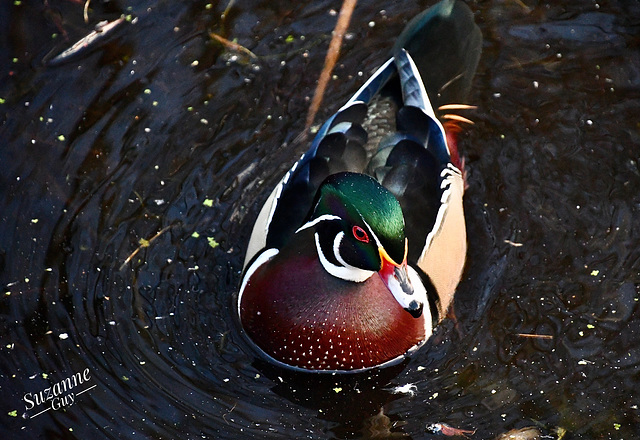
(445, 44)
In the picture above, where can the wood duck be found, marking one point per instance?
(357, 252)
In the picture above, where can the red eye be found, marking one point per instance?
(360, 234)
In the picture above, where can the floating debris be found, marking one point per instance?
(231, 45)
(102, 30)
(381, 426)
(448, 430)
(535, 336)
(143, 244)
(409, 389)
(528, 433)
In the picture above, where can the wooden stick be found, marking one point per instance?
(231, 45)
(534, 336)
(331, 58)
(144, 244)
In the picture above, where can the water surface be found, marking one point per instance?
(132, 172)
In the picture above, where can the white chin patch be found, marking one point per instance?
(419, 294)
(419, 291)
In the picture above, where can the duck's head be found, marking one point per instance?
(358, 231)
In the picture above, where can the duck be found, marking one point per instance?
(356, 254)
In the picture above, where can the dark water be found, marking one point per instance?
(157, 129)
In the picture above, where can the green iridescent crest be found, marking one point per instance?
(356, 197)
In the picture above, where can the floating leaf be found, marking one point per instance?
(561, 432)
(208, 202)
(212, 242)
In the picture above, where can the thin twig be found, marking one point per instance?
(331, 58)
(523, 5)
(224, 417)
(535, 336)
(231, 45)
(227, 9)
(145, 244)
(86, 11)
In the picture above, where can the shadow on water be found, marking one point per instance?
(133, 169)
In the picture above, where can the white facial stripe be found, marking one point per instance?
(315, 221)
(336, 253)
(336, 248)
(375, 237)
(346, 272)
